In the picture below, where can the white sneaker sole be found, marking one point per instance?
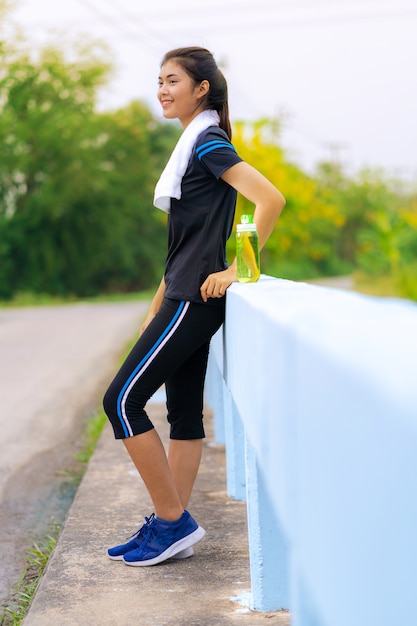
(180, 546)
(184, 554)
(115, 558)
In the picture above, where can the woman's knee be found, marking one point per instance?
(109, 403)
(110, 406)
(126, 412)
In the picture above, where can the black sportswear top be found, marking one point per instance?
(200, 223)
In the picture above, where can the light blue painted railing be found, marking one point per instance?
(314, 393)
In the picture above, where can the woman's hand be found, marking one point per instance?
(146, 323)
(155, 306)
(216, 284)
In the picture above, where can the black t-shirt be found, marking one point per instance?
(201, 221)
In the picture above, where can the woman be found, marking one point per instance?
(198, 189)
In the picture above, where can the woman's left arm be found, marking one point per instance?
(268, 202)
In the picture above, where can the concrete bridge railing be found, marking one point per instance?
(314, 393)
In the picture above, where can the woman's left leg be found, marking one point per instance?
(184, 461)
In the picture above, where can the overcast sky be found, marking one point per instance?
(341, 73)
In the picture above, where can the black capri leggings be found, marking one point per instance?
(172, 350)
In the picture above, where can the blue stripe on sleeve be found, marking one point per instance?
(212, 145)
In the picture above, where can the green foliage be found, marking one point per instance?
(379, 235)
(76, 191)
(76, 186)
(302, 244)
(332, 224)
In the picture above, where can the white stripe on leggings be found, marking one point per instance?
(146, 365)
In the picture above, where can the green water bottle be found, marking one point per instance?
(247, 251)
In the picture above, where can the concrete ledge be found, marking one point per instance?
(81, 586)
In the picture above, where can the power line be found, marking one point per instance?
(256, 6)
(157, 36)
(259, 8)
(117, 25)
(137, 21)
(272, 22)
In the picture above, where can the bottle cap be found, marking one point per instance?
(246, 219)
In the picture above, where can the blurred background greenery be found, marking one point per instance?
(76, 191)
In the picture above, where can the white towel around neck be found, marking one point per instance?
(169, 183)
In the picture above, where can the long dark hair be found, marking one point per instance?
(200, 65)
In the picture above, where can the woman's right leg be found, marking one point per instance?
(145, 369)
(176, 334)
(173, 337)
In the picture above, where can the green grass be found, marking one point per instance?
(90, 437)
(399, 285)
(27, 299)
(383, 286)
(37, 557)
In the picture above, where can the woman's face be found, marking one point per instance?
(178, 95)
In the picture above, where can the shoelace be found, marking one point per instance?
(149, 528)
(139, 534)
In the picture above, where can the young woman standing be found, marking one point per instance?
(198, 190)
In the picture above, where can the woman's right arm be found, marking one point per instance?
(155, 305)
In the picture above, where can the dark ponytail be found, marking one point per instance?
(200, 65)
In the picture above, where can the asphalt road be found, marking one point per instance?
(55, 362)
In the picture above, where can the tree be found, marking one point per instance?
(75, 186)
(302, 243)
(47, 108)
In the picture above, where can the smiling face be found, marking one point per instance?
(179, 96)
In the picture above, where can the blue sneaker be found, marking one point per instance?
(161, 540)
(117, 553)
